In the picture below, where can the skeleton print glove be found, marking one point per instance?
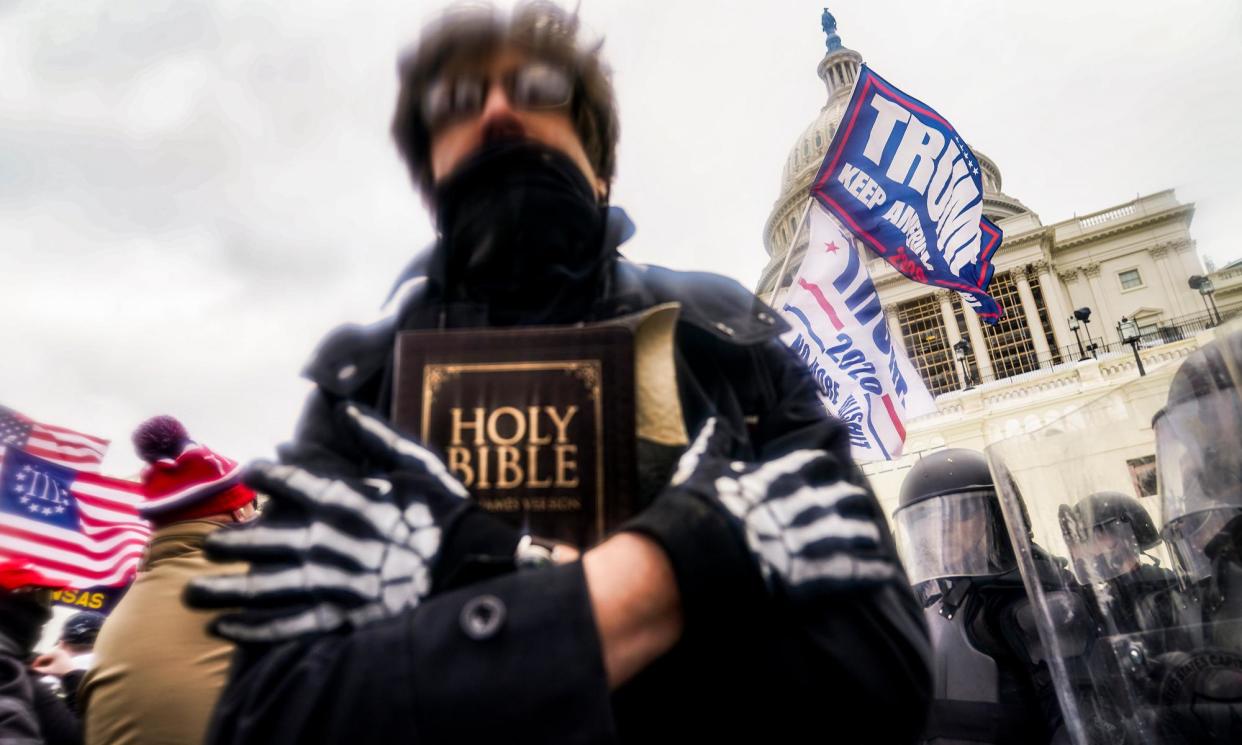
(808, 529)
(334, 551)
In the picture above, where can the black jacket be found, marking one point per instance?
(853, 669)
(30, 713)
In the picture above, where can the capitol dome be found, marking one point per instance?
(839, 70)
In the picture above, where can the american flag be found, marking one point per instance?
(59, 445)
(82, 528)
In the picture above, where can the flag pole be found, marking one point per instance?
(806, 212)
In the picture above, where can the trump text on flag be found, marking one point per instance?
(899, 176)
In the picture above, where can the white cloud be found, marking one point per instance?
(191, 194)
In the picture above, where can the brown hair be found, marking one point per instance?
(472, 32)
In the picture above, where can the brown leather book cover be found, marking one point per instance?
(538, 423)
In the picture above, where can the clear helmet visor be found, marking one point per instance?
(957, 535)
(1199, 462)
(1103, 551)
(1199, 456)
(1188, 537)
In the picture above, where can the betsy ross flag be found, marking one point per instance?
(58, 445)
(77, 527)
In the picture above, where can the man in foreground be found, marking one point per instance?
(756, 594)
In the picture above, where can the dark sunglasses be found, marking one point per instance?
(534, 86)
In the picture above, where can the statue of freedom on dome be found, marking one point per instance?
(829, 23)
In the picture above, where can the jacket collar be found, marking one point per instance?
(351, 355)
(177, 540)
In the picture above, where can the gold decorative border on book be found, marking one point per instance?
(588, 372)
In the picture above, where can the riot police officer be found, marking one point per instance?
(1109, 535)
(1198, 695)
(991, 679)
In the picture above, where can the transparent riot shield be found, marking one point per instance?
(1135, 586)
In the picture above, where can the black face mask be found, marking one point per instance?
(521, 234)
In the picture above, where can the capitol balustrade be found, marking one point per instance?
(1020, 368)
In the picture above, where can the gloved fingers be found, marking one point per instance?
(416, 489)
(256, 541)
(831, 534)
(404, 591)
(827, 564)
(315, 458)
(807, 504)
(259, 543)
(714, 442)
(284, 587)
(419, 533)
(389, 447)
(372, 504)
(826, 469)
(271, 626)
(837, 572)
(765, 478)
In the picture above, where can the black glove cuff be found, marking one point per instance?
(476, 546)
(716, 574)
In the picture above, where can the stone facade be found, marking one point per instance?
(1130, 260)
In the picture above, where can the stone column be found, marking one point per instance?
(1101, 316)
(893, 315)
(1033, 325)
(983, 356)
(1050, 284)
(1179, 273)
(950, 330)
(1160, 257)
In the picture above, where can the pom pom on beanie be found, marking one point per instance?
(160, 437)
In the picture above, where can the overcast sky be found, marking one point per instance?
(191, 194)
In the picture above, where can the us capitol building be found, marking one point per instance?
(1134, 261)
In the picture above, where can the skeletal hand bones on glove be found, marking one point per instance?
(333, 551)
(808, 528)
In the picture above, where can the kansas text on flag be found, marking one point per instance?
(901, 178)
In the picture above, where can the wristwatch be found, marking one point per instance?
(533, 553)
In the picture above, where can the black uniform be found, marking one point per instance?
(992, 679)
(853, 668)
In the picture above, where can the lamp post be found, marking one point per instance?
(1129, 333)
(1206, 290)
(1082, 353)
(1082, 315)
(962, 350)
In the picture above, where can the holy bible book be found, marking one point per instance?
(540, 423)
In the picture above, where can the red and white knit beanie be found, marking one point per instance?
(185, 480)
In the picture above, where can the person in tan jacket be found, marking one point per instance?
(158, 672)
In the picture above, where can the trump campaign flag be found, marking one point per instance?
(901, 178)
(840, 332)
(72, 527)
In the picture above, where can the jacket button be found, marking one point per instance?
(482, 617)
(724, 328)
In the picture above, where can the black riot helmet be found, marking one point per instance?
(949, 522)
(1105, 508)
(948, 471)
(1106, 533)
